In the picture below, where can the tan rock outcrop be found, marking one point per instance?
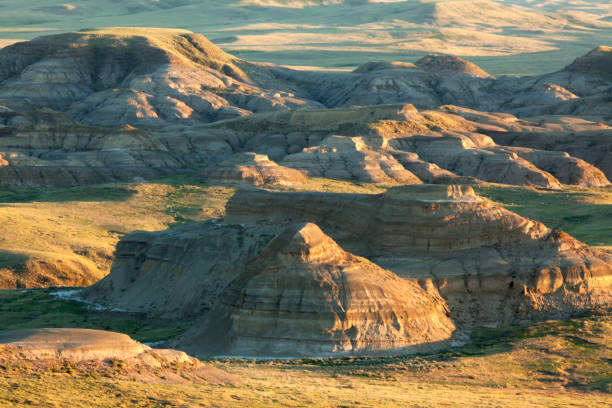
(588, 140)
(491, 265)
(448, 65)
(596, 62)
(74, 344)
(369, 277)
(45, 148)
(304, 295)
(112, 354)
(349, 158)
(252, 169)
(394, 143)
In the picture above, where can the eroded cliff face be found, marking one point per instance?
(391, 144)
(114, 104)
(252, 169)
(398, 144)
(291, 273)
(179, 272)
(45, 148)
(491, 265)
(304, 295)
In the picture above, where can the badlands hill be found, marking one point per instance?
(304, 295)
(154, 77)
(133, 76)
(252, 277)
(446, 65)
(135, 104)
(114, 104)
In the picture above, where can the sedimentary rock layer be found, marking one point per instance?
(252, 169)
(304, 295)
(490, 264)
(292, 273)
(193, 264)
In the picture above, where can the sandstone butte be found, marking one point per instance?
(464, 261)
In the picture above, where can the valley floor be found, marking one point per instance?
(551, 364)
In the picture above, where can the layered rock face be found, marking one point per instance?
(397, 144)
(304, 295)
(252, 169)
(350, 158)
(47, 149)
(321, 274)
(193, 264)
(490, 265)
(588, 139)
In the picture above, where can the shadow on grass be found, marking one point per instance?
(10, 259)
(38, 308)
(83, 193)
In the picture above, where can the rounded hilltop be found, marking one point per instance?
(177, 44)
(450, 65)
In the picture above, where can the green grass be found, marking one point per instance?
(99, 193)
(584, 213)
(37, 308)
(11, 259)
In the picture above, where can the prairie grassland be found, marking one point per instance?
(79, 227)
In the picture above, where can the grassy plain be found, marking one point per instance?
(536, 39)
(79, 227)
(585, 213)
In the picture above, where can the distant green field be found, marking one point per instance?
(36, 308)
(584, 213)
(342, 35)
